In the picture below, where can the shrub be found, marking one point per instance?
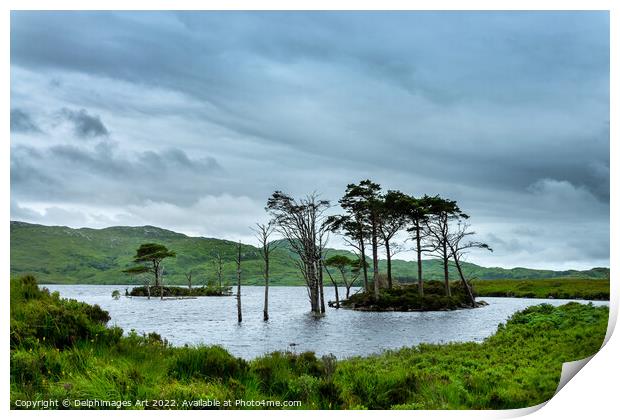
(38, 316)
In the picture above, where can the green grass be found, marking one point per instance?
(58, 254)
(560, 288)
(61, 349)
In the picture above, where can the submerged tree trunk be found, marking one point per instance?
(266, 305)
(239, 318)
(321, 294)
(313, 287)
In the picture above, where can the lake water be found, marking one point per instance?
(342, 332)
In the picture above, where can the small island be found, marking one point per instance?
(407, 298)
(178, 291)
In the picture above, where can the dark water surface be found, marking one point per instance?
(345, 333)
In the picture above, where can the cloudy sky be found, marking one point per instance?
(189, 121)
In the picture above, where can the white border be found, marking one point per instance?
(592, 393)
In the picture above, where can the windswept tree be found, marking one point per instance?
(151, 256)
(459, 243)
(393, 218)
(363, 203)
(303, 224)
(348, 268)
(442, 212)
(263, 232)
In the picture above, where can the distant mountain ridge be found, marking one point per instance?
(59, 254)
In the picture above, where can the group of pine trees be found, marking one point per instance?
(371, 219)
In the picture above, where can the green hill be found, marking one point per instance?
(58, 254)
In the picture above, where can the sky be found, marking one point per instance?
(190, 120)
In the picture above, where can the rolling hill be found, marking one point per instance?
(58, 254)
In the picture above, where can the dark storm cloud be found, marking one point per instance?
(85, 126)
(21, 122)
(100, 175)
(507, 112)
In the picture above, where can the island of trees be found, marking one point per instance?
(372, 221)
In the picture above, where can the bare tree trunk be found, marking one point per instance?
(389, 264)
(161, 286)
(156, 272)
(313, 287)
(321, 294)
(219, 272)
(347, 285)
(335, 287)
(419, 252)
(266, 307)
(465, 284)
(239, 317)
(375, 259)
(445, 270)
(364, 268)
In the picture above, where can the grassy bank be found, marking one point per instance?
(562, 288)
(61, 349)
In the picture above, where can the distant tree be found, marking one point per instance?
(116, 295)
(188, 276)
(459, 245)
(238, 260)
(303, 224)
(161, 281)
(348, 268)
(151, 255)
(263, 232)
(219, 268)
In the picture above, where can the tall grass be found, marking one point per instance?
(519, 366)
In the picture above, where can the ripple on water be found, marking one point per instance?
(344, 333)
